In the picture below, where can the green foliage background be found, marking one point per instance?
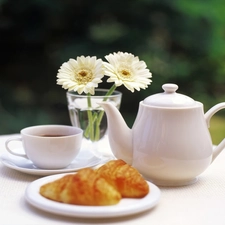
(182, 41)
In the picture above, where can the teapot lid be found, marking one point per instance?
(169, 98)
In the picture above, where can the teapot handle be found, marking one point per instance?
(208, 116)
(212, 111)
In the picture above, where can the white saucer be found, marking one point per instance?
(84, 159)
(123, 208)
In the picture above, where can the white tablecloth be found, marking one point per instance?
(199, 203)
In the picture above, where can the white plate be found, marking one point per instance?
(84, 159)
(123, 208)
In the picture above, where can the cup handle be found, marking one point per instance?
(11, 151)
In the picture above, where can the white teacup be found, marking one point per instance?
(49, 146)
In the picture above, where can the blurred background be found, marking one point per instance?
(181, 41)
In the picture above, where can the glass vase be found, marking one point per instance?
(86, 113)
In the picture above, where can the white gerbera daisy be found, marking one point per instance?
(126, 69)
(81, 75)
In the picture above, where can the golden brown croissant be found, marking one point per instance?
(85, 187)
(126, 179)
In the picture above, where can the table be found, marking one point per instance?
(200, 203)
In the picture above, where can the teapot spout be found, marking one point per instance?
(119, 134)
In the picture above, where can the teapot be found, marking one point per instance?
(169, 143)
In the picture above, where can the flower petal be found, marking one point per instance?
(81, 75)
(126, 69)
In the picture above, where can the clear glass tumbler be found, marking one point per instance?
(86, 113)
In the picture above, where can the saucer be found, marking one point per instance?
(84, 159)
(126, 206)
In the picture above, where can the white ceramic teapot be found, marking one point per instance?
(169, 143)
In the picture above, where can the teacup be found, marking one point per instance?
(49, 146)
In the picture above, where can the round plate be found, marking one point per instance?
(84, 159)
(126, 206)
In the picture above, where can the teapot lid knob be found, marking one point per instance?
(169, 98)
(169, 88)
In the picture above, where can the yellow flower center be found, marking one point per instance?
(125, 73)
(83, 76)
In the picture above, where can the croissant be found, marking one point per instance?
(126, 179)
(85, 187)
